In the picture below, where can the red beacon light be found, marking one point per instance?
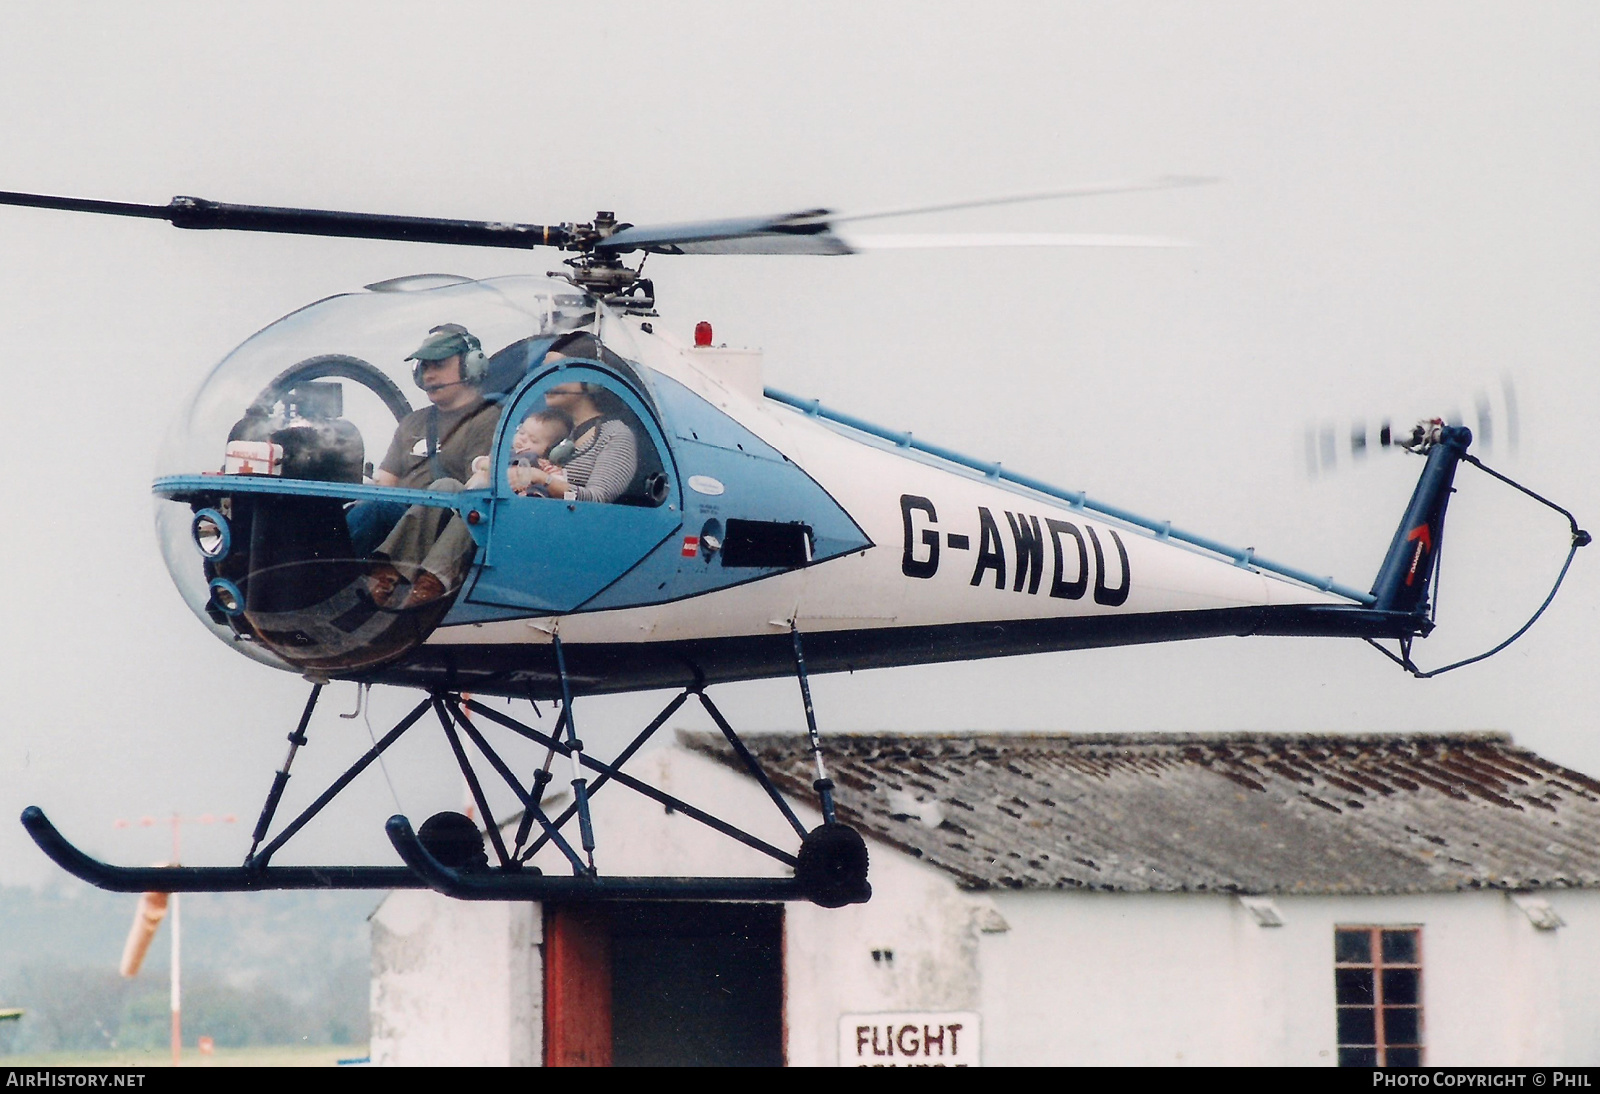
(702, 334)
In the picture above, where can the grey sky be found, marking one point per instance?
(1409, 213)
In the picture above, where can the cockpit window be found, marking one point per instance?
(360, 343)
(347, 391)
(579, 434)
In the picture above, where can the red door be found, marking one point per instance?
(577, 987)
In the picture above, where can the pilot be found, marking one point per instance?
(433, 449)
(440, 441)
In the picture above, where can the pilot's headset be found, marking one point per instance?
(459, 342)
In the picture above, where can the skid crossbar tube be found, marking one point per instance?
(530, 803)
(206, 879)
(752, 766)
(622, 757)
(636, 785)
(473, 785)
(528, 885)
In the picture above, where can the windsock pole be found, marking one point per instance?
(177, 1000)
(177, 994)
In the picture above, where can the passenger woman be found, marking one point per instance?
(605, 451)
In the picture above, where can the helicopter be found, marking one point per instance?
(749, 534)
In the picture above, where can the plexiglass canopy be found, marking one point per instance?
(319, 393)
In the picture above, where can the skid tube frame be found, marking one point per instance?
(512, 878)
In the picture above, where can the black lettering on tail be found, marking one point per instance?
(1068, 590)
(1030, 552)
(1111, 598)
(991, 551)
(910, 564)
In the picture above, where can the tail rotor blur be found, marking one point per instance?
(1331, 445)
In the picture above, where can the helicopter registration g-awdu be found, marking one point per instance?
(580, 504)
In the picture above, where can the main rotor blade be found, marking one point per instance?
(930, 240)
(1095, 189)
(811, 231)
(198, 213)
(805, 233)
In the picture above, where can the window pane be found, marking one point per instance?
(1356, 1026)
(1399, 987)
(1359, 1057)
(1400, 1025)
(1400, 947)
(1401, 1057)
(1355, 986)
(1352, 947)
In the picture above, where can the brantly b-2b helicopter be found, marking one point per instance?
(693, 528)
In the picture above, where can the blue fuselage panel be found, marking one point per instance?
(545, 556)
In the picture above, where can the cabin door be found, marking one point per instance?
(554, 554)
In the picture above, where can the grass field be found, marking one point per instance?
(257, 1056)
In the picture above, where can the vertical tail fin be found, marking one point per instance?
(1407, 572)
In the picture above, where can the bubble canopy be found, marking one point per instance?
(366, 336)
(316, 397)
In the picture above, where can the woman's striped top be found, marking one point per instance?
(602, 470)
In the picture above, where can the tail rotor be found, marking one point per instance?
(1330, 446)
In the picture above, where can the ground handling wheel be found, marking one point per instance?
(455, 841)
(832, 866)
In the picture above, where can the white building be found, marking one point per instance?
(1239, 899)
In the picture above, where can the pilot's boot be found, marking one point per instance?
(425, 588)
(381, 582)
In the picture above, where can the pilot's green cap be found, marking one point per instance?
(443, 342)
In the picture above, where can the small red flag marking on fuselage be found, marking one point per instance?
(1424, 537)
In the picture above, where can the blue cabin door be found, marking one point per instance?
(554, 555)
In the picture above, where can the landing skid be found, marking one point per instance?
(498, 884)
(830, 864)
(206, 879)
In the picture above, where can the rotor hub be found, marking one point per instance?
(603, 273)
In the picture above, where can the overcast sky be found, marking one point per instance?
(1408, 215)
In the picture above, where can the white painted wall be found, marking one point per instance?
(456, 983)
(1096, 978)
(1057, 977)
(916, 913)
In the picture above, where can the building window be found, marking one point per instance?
(1377, 976)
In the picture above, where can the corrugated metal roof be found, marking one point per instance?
(1236, 813)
